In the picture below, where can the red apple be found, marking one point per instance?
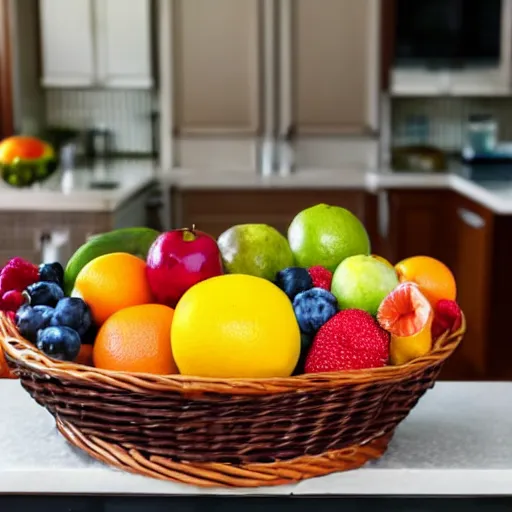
(178, 260)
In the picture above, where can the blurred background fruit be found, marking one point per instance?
(235, 325)
(26, 160)
(433, 277)
(112, 282)
(136, 339)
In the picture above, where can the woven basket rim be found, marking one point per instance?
(24, 354)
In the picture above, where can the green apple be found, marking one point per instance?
(362, 282)
(325, 235)
(255, 249)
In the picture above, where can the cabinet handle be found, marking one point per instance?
(470, 218)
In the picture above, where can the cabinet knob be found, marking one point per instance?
(470, 218)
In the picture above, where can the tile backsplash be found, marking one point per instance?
(447, 118)
(125, 112)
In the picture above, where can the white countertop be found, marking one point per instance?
(73, 192)
(457, 441)
(133, 175)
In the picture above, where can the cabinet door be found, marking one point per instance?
(471, 239)
(417, 224)
(123, 50)
(334, 76)
(67, 43)
(216, 66)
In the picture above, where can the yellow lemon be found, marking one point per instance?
(235, 326)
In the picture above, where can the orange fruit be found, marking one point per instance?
(407, 315)
(112, 282)
(136, 339)
(22, 147)
(433, 277)
(85, 356)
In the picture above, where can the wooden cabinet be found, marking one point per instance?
(214, 211)
(416, 224)
(471, 235)
(216, 66)
(334, 66)
(91, 43)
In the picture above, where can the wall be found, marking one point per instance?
(125, 112)
(447, 118)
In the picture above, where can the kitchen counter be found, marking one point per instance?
(494, 194)
(84, 189)
(456, 442)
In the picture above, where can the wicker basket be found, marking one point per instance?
(234, 432)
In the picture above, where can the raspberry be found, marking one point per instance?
(12, 300)
(17, 275)
(447, 317)
(322, 278)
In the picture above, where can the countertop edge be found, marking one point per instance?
(365, 481)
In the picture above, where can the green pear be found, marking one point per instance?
(325, 235)
(255, 249)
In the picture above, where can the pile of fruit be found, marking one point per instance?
(26, 160)
(252, 303)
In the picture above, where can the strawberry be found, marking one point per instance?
(447, 317)
(17, 275)
(322, 278)
(350, 340)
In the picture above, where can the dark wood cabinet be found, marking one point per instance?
(417, 224)
(215, 210)
(470, 231)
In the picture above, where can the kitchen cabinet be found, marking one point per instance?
(216, 210)
(96, 43)
(416, 224)
(216, 60)
(334, 68)
(471, 233)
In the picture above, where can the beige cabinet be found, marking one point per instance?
(216, 47)
(333, 76)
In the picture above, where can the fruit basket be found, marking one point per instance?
(226, 432)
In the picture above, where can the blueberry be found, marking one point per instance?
(293, 280)
(44, 293)
(52, 272)
(72, 312)
(60, 343)
(306, 340)
(30, 320)
(313, 308)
